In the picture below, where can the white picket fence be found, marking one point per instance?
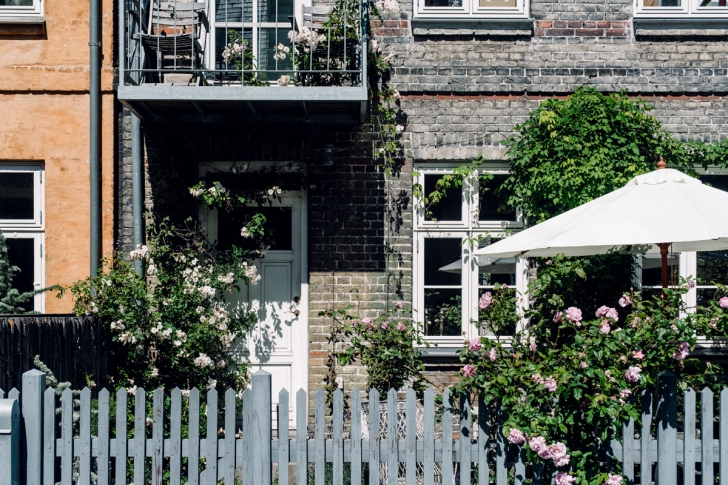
(157, 453)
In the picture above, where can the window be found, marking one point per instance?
(21, 222)
(448, 282)
(21, 8)
(680, 8)
(472, 8)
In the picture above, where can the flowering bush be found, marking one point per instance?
(568, 380)
(385, 345)
(238, 55)
(171, 327)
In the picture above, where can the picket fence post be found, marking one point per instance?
(667, 430)
(34, 384)
(261, 428)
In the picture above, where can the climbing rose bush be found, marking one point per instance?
(569, 378)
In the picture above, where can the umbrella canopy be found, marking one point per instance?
(650, 212)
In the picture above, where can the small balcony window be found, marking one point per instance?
(472, 8)
(21, 9)
(681, 8)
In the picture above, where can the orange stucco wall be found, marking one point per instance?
(44, 114)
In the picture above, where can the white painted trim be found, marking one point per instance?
(36, 10)
(471, 10)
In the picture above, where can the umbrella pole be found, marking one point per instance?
(663, 255)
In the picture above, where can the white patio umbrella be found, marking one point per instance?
(651, 213)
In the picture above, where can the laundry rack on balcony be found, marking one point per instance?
(175, 36)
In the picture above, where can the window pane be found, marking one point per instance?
(652, 268)
(491, 201)
(21, 254)
(16, 3)
(234, 10)
(443, 3)
(279, 222)
(498, 3)
(267, 11)
(713, 3)
(226, 36)
(449, 207)
(713, 267)
(443, 312)
(716, 181)
(443, 265)
(16, 195)
(661, 3)
(267, 45)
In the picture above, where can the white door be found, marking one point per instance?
(279, 342)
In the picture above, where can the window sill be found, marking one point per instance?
(472, 27)
(21, 26)
(680, 27)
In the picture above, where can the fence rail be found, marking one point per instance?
(239, 445)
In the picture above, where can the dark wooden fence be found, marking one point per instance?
(70, 346)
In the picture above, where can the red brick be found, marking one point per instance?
(539, 32)
(574, 24)
(604, 25)
(620, 25)
(617, 32)
(590, 24)
(560, 24)
(590, 33)
(560, 32)
(544, 24)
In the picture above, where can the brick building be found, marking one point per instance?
(467, 72)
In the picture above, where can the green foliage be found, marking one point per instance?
(238, 55)
(571, 378)
(11, 300)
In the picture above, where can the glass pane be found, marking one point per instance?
(649, 293)
(279, 222)
(661, 3)
(234, 10)
(713, 267)
(267, 11)
(16, 195)
(267, 44)
(498, 3)
(225, 36)
(16, 3)
(716, 181)
(449, 207)
(712, 3)
(497, 270)
(491, 202)
(21, 254)
(443, 312)
(652, 268)
(443, 265)
(443, 3)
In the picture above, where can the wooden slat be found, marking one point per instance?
(228, 471)
(373, 437)
(338, 441)
(466, 439)
(429, 438)
(193, 467)
(248, 437)
(175, 437)
(301, 438)
(102, 460)
(706, 436)
(356, 455)
(501, 451)
(210, 472)
(121, 436)
(667, 430)
(483, 436)
(689, 438)
(283, 437)
(646, 438)
(158, 437)
(14, 394)
(410, 438)
(724, 437)
(519, 472)
(447, 459)
(140, 434)
(392, 458)
(319, 416)
(49, 436)
(67, 437)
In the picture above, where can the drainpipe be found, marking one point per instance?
(137, 187)
(95, 134)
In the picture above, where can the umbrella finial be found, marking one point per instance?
(661, 164)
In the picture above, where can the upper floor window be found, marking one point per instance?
(680, 8)
(472, 8)
(21, 8)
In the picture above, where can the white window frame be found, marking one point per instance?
(22, 12)
(30, 228)
(468, 228)
(689, 8)
(471, 9)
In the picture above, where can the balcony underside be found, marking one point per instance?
(164, 102)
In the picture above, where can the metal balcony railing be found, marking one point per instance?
(244, 43)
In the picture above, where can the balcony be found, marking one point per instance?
(267, 59)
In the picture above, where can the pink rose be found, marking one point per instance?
(624, 301)
(558, 451)
(614, 480)
(612, 313)
(399, 305)
(532, 346)
(691, 283)
(602, 311)
(537, 443)
(563, 478)
(401, 327)
(574, 314)
(625, 393)
(557, 316)
(475, 345)
(550, 384)
(468, 371)
(485, 300)
(682, 352)
(385, 325)
(638, 354)
(562, 461)
(516, 436)
(583, 364)
(633, 374)
(604, 327)
(537, 378)
(723, 302)
(491, 354)
(544, 453)
(366, 321)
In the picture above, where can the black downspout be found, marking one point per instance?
(95, 135)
